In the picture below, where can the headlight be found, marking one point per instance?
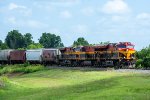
(124, 57)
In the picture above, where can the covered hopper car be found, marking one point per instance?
(50, 56)
(17, 56)
(5, 56)
(34, 56)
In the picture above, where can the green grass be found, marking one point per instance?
(61, 84)
(6, 69)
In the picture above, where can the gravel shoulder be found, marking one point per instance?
(133, 71)
(100, 69)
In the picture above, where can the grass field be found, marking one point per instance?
(64, 84)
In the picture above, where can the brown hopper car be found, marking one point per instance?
(17, 56)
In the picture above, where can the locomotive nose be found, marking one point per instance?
(130, 54)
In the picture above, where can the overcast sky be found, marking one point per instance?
(95, 20)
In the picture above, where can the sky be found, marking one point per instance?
(95, 20)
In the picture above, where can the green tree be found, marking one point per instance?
(49, 40)
(28, 39)
(107, 42)
(143, 57)
(14, 39)
(146, 62)
(80, 41)
(35, 46)
(138, 63)
(145, 52)
(3, 45)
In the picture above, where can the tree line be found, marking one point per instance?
(143, 58)
(16, 40)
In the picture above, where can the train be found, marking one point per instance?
(118, 55)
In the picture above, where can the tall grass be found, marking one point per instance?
(20, 68)
(3, 81)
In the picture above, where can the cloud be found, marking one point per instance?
(25, 23)
(65, 14)
(115, 6)
(22, 10)
(117, 18)
(143, 20)
(81, 29)
(13, 6)
(88, 11)
(143, 16)
(64, 2)
(120, 19)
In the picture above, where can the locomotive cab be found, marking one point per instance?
(126, 50)
(126, 53)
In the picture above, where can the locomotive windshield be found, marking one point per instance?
(130, 46)
(124, 46)
(121, 46)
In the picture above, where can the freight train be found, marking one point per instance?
(117, 55)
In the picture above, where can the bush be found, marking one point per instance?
(20, 68)
(146, 62)
(31, 69)
(139, 63)
(6, 70)
(26, 64)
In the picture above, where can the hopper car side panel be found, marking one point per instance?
(50, 56)
(5, 56)
(34, 56)
(17, 56)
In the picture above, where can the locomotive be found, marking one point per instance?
(113, 54)
(118, 55)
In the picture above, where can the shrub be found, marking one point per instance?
(31, 69)
(138, 63)
(20, 68)
(26, 64)
(6, 69)
(146, 62)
